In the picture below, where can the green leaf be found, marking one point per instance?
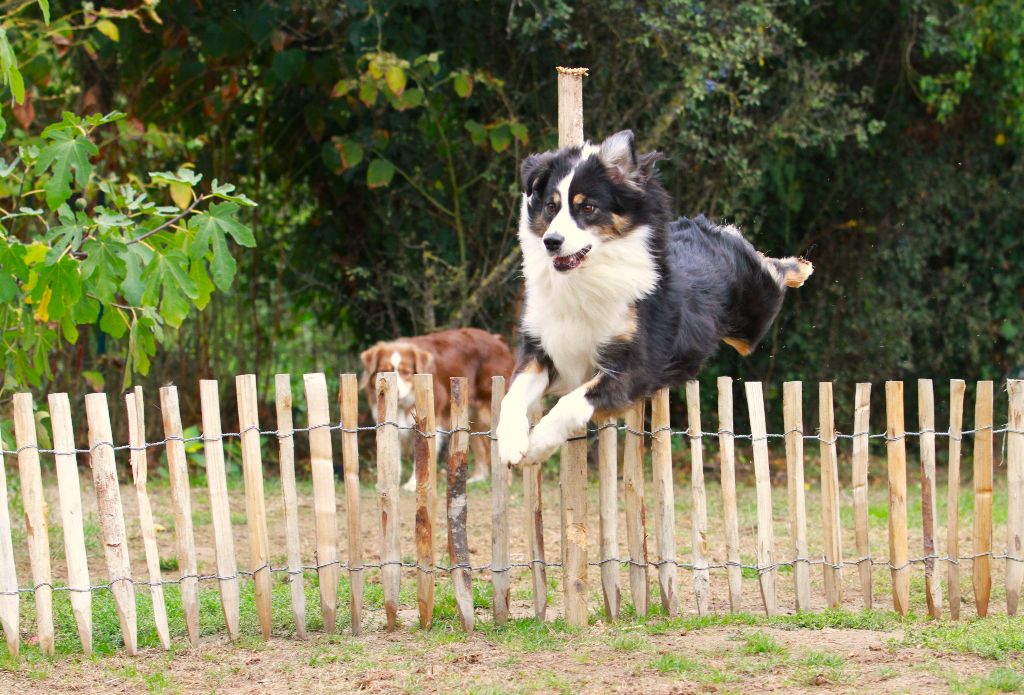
(411, 99)
(368, 93)
(44, 5)
(64, 152)
(86, 311)
(219, 220)
(104, 267)
(197, 271)
(288, 64)
(137, 258)
(114, 321)
(380, 173)
(350, 152)
(396, 79)
(12, 258)
(223, 265)
(63, 237)
(108, 29)
(57, 289)
(8, 288)
(167, 282)
(183, 175)
(343, 87)
(225, 191)
(9, 69)
(519, 132)
(501, 137)
(463, 83)
(477, 133)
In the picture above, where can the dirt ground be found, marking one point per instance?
(628, 656)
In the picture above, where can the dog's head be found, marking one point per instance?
(396, 356)
(578, 200)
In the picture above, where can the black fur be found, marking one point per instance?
(714, 285)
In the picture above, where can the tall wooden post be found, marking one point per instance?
(574, 456)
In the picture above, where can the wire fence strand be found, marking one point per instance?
(442, 432)
(522, 564)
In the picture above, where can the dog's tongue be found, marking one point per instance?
(567, 262)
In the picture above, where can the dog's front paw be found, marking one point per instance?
(544, 441)
(513, 434)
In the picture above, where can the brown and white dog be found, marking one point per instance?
(469, 352)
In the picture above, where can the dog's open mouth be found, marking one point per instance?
(564, 263)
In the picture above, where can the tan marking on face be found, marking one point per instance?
(620, 223)
(578, 199)
(740, 346)
(556, 197)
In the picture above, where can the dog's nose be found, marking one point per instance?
(553, 242)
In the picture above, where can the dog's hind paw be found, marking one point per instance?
(796, 271)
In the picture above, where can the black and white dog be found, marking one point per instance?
(620, 300)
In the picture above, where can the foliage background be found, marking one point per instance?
(381, 141)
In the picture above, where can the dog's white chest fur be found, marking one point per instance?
(573, 314)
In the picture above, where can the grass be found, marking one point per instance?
(761, 643)
(996, 637)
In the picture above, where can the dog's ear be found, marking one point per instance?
(619, 156)
(368, 358)
(424, 361)
(535, 171)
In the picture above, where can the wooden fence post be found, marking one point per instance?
(389, 469)
(220, 506)
(36, 525)
(573, 487)
(897, 456)
(636, 515)
(533, 501)
(458, 540)
(766, 570)
(956, 421)
(112, 529)
(140, 465)
(71, 516)
(664, 501)
(607, 455)
(289, 495)
(8, 572)
(500, 560)
(426, 496)
(1015, 483)
(792, 413)
(983, 441)
(699, 513)
(350, 457)
(929, 512)
(861, 425)
(325, 512)
(833, 567)
(181, 499)
(726, 441)
(255, 502)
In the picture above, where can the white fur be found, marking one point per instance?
(571, 413)
(513, 431)
(573, 313)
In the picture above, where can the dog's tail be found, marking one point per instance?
(794, 271)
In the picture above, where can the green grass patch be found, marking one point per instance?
(761, 643)
(996, 637)
(999, 680)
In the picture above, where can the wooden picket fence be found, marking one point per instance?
(664, 562)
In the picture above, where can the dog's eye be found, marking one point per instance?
(588, 208)
(550, 206)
